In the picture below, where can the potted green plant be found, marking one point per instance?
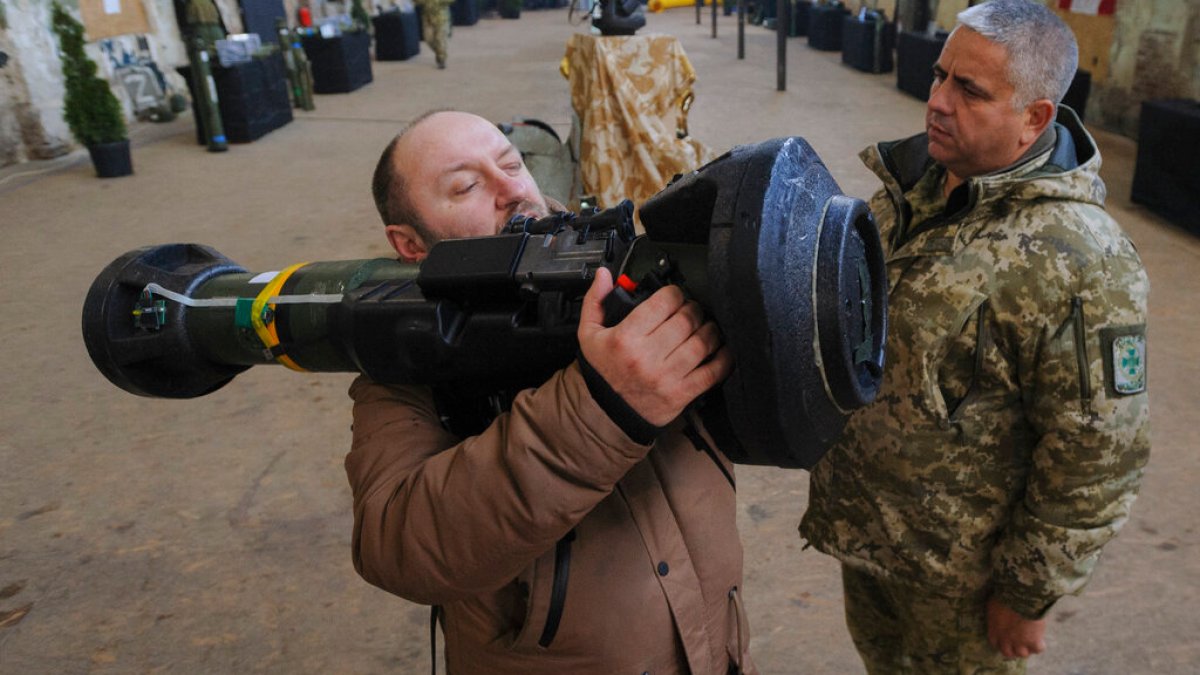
(89, 107)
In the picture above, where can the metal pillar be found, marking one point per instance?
(741, 10)
(781, 33)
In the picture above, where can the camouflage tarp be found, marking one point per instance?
(631, 93)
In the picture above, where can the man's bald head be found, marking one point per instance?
(387, 185)
(450, 174)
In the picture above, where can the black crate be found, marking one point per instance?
(252, 98)
(259, 16)
(766, 13)
(340, 64)
(867, 44)
(397, 36)
(464, 13)
(1166, 178)
(915, 55)
(825, 27)
(800, 10)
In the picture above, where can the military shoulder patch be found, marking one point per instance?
(1124, 351)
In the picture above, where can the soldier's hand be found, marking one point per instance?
(658, 358)
(1013, 635)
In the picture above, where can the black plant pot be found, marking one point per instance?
(111, 159)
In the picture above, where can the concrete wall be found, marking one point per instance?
(31, 83)
(31, 124)
(1155, 53)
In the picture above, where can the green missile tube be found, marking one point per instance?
(207, 102)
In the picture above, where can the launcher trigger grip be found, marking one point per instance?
(627, 294)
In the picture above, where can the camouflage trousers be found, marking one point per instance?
(898, 629)
(436, 30)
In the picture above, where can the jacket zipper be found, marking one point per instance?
(558, 589)
(1085, 379)
(1075, 320)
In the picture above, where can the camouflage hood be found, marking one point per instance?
(1068, 170)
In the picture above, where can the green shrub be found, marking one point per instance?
(90, 109)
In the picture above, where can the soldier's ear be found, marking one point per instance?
(1038, 116)
(408, 242)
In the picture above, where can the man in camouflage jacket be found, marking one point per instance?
(1009, 438)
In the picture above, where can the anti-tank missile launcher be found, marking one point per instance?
(789, 267)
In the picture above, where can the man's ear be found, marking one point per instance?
(1038, 116)
(407, 242)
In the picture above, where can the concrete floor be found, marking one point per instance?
(212, 535)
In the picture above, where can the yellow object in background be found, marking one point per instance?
(660, 5)
(631, 96)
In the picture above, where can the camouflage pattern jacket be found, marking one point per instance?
(1008, 440)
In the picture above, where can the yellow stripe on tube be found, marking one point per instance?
(266, 331)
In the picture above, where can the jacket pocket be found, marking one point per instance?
(1081, 357)
(1077, 322)
(953, 343)
(558, 589)
(544, 588)
(982, 338)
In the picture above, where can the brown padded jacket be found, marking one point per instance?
(653, 563)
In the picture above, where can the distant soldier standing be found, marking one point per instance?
(1009, 438)
(435, 25)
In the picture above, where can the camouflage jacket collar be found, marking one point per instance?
(1068, 171)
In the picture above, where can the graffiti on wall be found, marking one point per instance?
(129, 61)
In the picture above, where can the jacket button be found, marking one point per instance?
(663, 568)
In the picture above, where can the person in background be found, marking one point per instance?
(435, 27)
(1009, 438)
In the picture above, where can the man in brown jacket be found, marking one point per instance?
(582, 531)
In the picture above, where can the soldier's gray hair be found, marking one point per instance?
(1042, 52)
